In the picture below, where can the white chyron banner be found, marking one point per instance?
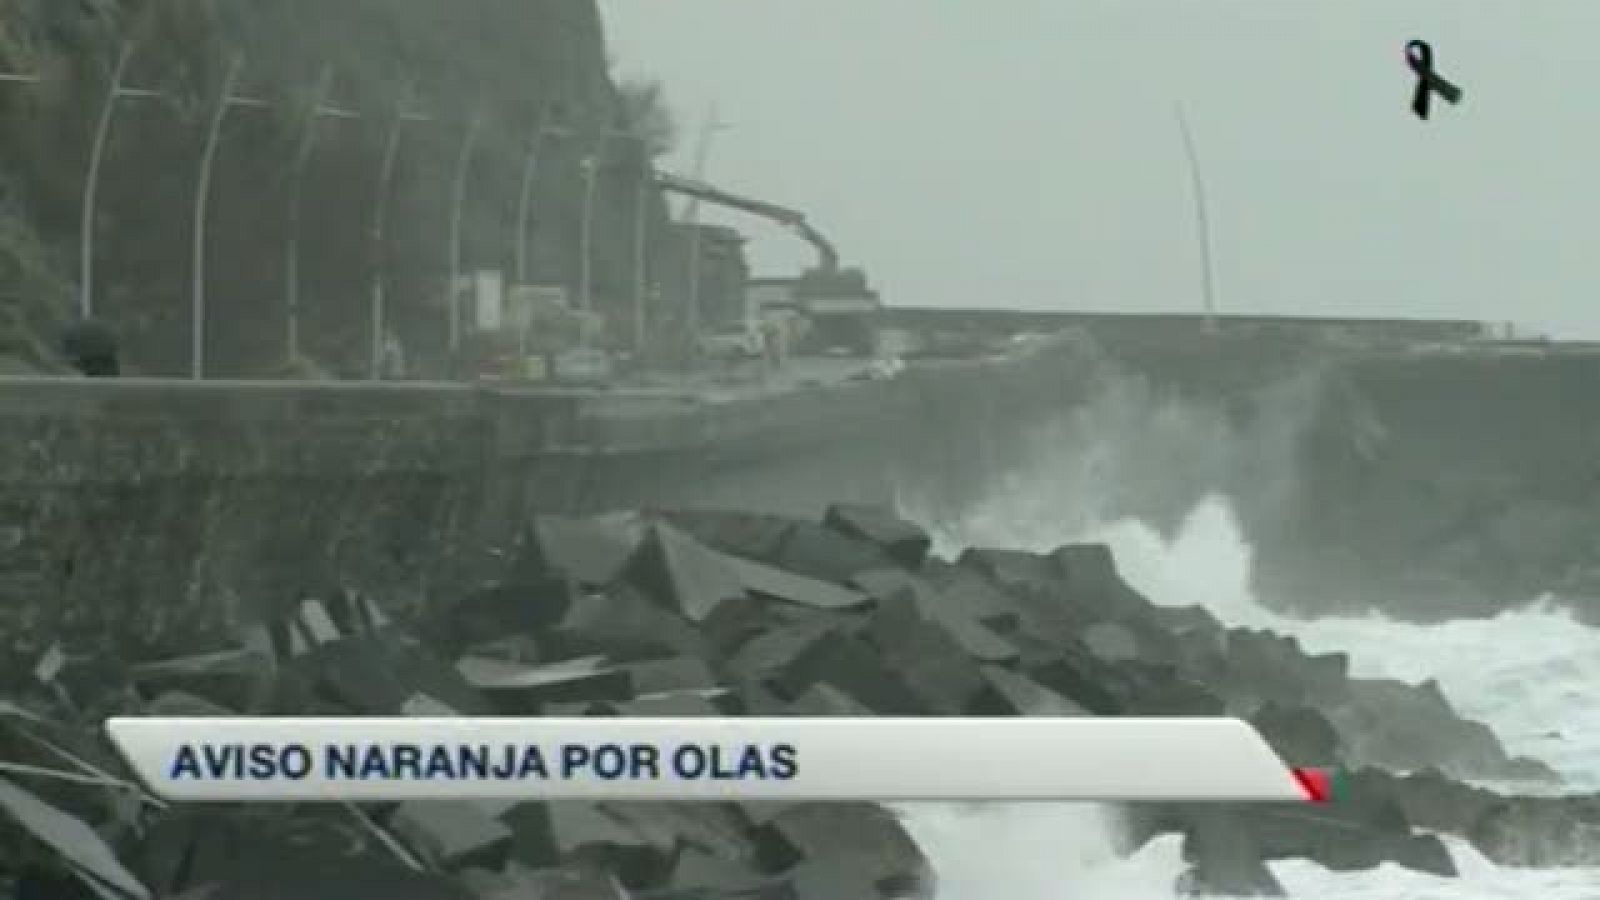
(884, 759)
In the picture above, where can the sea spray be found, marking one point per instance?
(1521, 672)
(1038, 851)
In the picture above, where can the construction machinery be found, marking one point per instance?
(841, 306)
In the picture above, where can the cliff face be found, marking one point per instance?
(506, 61)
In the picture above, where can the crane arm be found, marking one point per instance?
(828, 258)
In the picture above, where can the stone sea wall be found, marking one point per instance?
(146, 508)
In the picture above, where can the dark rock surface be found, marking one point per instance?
(702, 613)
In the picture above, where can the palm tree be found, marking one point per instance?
(643, 113)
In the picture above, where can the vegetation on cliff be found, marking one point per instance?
(509, 64)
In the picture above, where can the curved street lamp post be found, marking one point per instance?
(590, 166)
(91, 182)
(202, 199)
(308, 139)
(1202, 222)
(530, 172)
(377, 311)
(469, 144)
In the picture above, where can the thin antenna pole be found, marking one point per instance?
(1202, 220)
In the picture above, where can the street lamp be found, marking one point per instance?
(469, 143)
(590, 166)
(530, 167)
(202, 198)
(1202, 221)
(291, 276)
(458, 203)
(91, 182)
(380, 217)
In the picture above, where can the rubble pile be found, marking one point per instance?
(726, 614)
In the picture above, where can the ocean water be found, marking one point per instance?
(1533, 675)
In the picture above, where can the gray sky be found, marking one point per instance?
(1024, 152)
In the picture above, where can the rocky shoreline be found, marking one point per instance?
(711, 613)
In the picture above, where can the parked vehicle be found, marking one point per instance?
(583, 367)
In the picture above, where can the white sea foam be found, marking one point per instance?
(1531, 674)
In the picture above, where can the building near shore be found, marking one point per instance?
(723, 271)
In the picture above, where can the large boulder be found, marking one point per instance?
(1349, 835)
(1225, 861)
(564, 883)
(626, 844)
(802, 548)
(929, 659)
(589, 552)
(900, 540)
(453, 834)
(1405, 727)
(1539, 832)
(375, 676)
(1258, 666)
(683, 575)
(516, 689)
(1543, 831)
(968, 623)
(1301, 736)
(856, 669)
(533, 605)
(254, 855)
(623, 623)
(1015, 694)
(856, 851)
(1011, 568)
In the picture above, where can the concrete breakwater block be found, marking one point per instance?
(623, 623)
(706, 614)
(965, 623)
(901, 541)
(589, 551)
(522, 690)
(453, 834)
(1016, 694)
(934, 665)
(852, 847)
(520, 883)
(1226, 841)
(1536, 831)
(803, 548)
(1225, 861)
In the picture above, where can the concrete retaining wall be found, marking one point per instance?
(1174, 328)
(1437, 484)
(1428, 483)
(150, 508)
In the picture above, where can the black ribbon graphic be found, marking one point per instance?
(1429, 82)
